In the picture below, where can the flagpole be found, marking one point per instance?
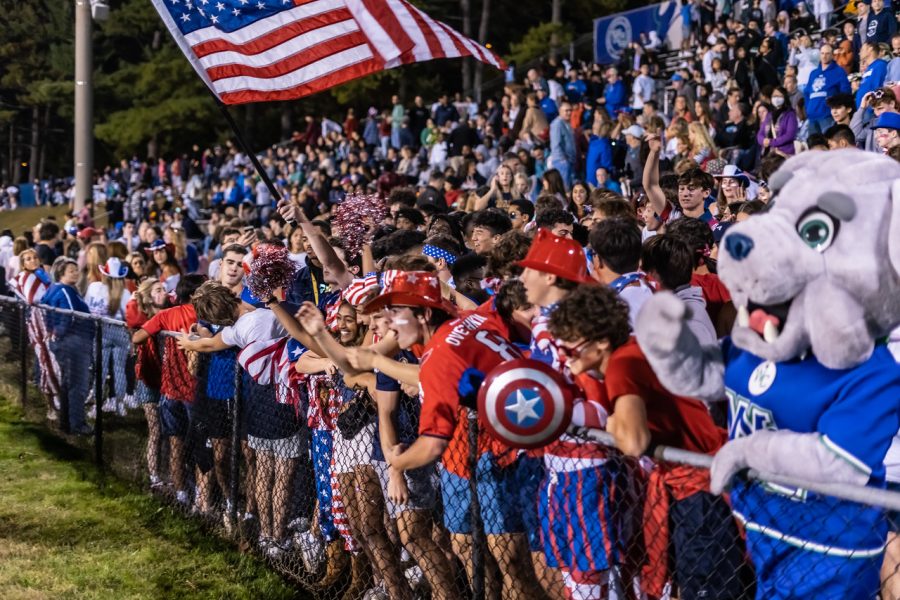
(243, 145)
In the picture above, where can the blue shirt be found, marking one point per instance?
(872, 79)
(616, 98)
(822, 85)
(562, 141)
(599, 154)
(575, 90)
(406, 415)
(855, 411)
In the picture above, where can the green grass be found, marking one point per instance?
(23, 219)
(67, 532)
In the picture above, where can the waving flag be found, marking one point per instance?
(261, 50)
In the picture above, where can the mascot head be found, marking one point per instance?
(820, 269)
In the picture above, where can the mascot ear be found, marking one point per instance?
(894, 228)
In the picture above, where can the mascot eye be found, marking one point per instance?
(817, 230)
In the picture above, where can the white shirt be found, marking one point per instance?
(97, 299)
(254, 326)
(635, 296)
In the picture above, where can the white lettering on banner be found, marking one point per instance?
(462, 329)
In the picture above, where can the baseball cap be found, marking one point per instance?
(635, 130)
(676, 77)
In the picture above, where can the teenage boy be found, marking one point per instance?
(668, 261)
(178, 386)
(215, 407)
(456, 358)
(615, 257)
(487, 227)
(553, 267)
(591, 325)
(273, 430)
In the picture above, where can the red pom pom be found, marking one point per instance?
(355, 217)
(270, 270)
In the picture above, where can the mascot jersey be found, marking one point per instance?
(803, 396)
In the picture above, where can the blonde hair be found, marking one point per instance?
(116, 289)
(700, 139)
(95, 255)
(143, 298)
(20, 244)
(179, 240)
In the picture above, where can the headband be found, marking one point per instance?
(435, 252)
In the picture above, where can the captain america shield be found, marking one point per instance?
(525, 403)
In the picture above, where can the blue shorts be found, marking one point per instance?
(173, 417)
(507, 496)
(784, 571)
(579, 523)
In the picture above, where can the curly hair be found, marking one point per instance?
(591, 313)
(509, 249)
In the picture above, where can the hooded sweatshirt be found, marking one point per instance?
(823, 84)
(699, 322)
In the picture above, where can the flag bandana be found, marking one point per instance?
(264, 50)
(436, 253)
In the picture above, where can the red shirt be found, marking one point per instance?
(456, 361)
(673, 420)
(714, 292)
(177, 381)
(147, 367)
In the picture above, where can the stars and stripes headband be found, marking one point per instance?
(435, 252)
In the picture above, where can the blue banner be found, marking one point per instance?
(614, 33)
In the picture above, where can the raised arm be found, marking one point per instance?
(651, 176)
(325, 253)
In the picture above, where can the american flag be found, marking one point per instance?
(261, 50)
(267, 362)
(31, 287)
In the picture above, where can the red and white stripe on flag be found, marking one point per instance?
(262, 50)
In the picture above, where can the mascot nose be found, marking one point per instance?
(738, 245)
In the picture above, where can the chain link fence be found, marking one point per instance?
(297, 473)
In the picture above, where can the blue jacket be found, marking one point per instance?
(823, 84)
(616, 99)
(599, 154)
(872, 79)
(551, 111)
(67, 297)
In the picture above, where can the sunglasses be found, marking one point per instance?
(574, 352)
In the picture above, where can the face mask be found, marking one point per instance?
(777, 102)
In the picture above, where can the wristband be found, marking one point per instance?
(272, 300)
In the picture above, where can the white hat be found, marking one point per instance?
(635, 130)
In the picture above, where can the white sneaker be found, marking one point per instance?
(109, 405)
(414, 576)
(277, 550)
(181, 497)
(376, 593)
(121, 409)
(91, 412)
(312, 550)
(131, 402)
(155, 481)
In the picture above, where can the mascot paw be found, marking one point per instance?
(661, 321)
(730, 459)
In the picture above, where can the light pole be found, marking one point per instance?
(85, 11)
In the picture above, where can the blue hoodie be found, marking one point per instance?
(872, 79)
(823, 84)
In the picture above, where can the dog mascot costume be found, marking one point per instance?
(813, 392)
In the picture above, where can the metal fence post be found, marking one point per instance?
(479, 541)
(235, 444)
(98, 394)
(23, 352)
